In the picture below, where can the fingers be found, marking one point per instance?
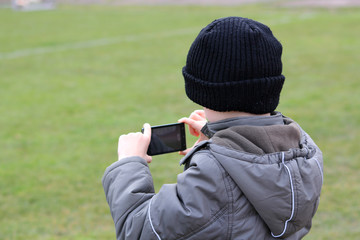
(198, 115)
(189, 149)
(188, 121)
(200, 112)
(193, 128)
(185, 151)
(148, 158)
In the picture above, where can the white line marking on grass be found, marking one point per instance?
(127, 38)
(290, 19)
(93, 43)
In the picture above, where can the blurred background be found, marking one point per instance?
(75, 75)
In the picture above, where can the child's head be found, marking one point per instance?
(234, 64)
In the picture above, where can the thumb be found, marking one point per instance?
(147, 135)
(147, 131)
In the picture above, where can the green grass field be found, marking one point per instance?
(74, 79)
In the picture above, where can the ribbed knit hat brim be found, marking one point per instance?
(256, 96)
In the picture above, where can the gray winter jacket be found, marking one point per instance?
(256, 178)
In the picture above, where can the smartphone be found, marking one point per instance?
(167, 138)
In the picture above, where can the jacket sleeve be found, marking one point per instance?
(128, 187)
(183, 210)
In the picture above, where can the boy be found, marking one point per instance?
(253, 173)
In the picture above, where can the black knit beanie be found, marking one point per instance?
(234, 64)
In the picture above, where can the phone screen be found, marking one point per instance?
(167, 138)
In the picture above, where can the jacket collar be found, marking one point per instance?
(276, 118)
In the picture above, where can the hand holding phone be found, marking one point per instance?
(135, 144)
(196, 122)
(167, 138)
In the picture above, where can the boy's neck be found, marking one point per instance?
(214, 116)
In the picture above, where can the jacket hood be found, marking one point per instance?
(282, 183)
